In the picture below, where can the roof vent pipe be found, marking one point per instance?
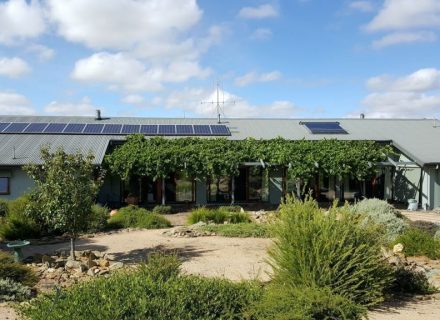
(362, 116)
(98, 114)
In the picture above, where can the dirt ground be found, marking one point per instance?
(232, 258)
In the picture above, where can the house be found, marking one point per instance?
(413, 174)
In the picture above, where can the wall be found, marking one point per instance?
(19, 182)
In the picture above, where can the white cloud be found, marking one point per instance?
(413, 95)
(363, 6)
(123, 72)
(261, 34)
(253, 77)
(260, 12)
(82, 108)
(19, 20)
(43, 53)
(15, 104)
(404, 38)
(419, 81)
(121, 24)
(13, 67)
(190, 100)
(406, 14)
(133, 99)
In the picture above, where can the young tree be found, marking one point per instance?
(65, 189)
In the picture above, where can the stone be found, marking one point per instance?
(103, 272)
(38, 257)
(90, 263)
(50, 270)
(72, 264)
(116, 265)
(91, 272)
(110, 256)
(398, 248)
(59, 263)
(97, 254)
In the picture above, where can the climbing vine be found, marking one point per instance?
(159, 157)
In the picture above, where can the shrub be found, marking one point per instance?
(13, 291)
(147, 294)
(437, 235)
(336, 250)
(383, 214)
(162, 209)
(135, 217)
(304, 303)
(15, 271)
(3, 208)
(16, 224)
(408, 281)
(419, 243)
(98, 218)
(217, 216)
(426, 226)
(240, 230)
(230, 208)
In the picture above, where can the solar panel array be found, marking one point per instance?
(324, 127)
(114, 129)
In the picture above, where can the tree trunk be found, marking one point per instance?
(163, 191)
(72, 247)
(298, 189)
(232, 190)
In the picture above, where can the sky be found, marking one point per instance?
(270, 58)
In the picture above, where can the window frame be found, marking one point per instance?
(8, 186)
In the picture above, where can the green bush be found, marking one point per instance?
(334, 250)
(148, 293)
(240, 230)
(383, 214)
(16, 224)
(437, 235)
(98, 218)
(13, 291)
(230, 208)
(135, 217)
(426, 226)
(217, 216)
(407, 281)
(162, 209)
(3, 208)
(16, 271)
(419, 243)
(304, 303)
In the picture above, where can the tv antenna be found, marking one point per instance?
(219, 103)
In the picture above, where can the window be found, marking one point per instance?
(219, 189)
(258, 186)
(4, 185)
(184, 188)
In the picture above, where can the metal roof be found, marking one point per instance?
(417, 138)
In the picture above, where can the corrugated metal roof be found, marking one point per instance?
(419, 138)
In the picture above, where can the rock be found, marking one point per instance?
(47, 259)
(116, 265)
(97, 254)
(91, 272)
(38, 257)
(103, 272)
(110, 256)
(59, 263)
(113, 212)
(90, 263)
(398, 248)
(72, 264)
(50, 270)
(104, 263)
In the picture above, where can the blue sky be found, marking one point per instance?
(162, 58)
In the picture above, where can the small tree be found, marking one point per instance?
(65, 189)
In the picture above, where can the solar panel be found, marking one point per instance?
(35, 128)
(55, 128)
(220, 130)
(149, 129)
(184, 129)
(325, 128)
(74, 128)
(202, 129)
(16, 127)
(93, 128)
(3, 125)
(130, 128)
(167, 129)
(112, 128)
